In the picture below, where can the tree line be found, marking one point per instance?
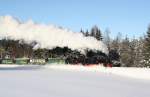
(129, 52)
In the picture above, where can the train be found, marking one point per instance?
(90, 59)
(22, 61)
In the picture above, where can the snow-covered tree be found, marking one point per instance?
(107, 39)
(147, 47)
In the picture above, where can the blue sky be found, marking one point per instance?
(130, 17)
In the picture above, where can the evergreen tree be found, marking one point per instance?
(147, 47)
(116, 43)
(98, 35)
(87, 33)
(95, 32)
(137, 52)
(107, 39)
(124, 53)
(81, 31)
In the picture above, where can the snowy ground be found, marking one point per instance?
(73, 81)
(138, 73)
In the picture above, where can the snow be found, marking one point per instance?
(72, 81)
(132, 72)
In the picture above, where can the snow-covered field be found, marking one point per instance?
(138, 73)
(73, 81)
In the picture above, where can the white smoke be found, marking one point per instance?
(47, 36)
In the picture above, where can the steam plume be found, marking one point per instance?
(47, 36)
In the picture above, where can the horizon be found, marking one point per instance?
(131, 18)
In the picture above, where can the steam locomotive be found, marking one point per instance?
(95, 57)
